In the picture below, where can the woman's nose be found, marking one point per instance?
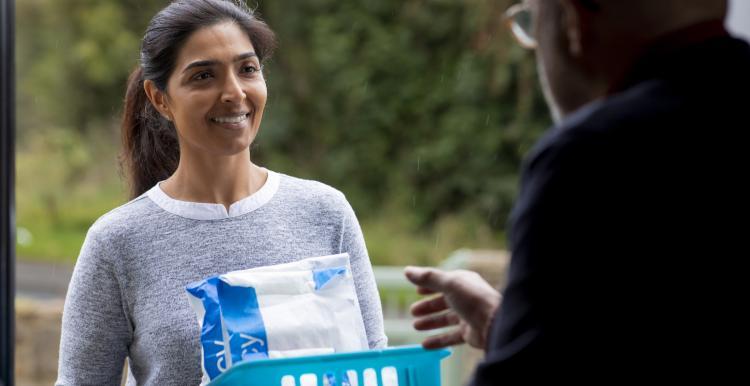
(232, 91)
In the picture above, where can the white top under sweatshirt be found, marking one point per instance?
(127, 294)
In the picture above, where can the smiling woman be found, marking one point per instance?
(200, 207)
(215, 100)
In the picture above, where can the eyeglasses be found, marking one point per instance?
(521, 23)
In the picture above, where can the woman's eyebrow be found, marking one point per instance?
(208, 63)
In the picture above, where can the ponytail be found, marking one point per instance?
(150, 151)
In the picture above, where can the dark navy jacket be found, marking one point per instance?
(629, 229)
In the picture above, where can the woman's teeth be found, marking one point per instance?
(231, 118)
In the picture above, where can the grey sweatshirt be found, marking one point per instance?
(127, 294)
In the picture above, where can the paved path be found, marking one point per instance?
(42, 280)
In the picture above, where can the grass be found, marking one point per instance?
(59, 239)
(393, 240)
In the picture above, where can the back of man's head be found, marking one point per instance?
(585, 46)
(651, 18)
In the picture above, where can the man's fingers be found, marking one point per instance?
(425, 291)
(430, 278)
(429, 306)
(443, 340)
(435, 321)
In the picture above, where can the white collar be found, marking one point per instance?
(212, 211)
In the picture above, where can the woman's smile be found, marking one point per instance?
(232, 121)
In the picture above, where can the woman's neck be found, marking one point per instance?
(220, 180)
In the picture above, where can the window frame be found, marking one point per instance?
(7, 191)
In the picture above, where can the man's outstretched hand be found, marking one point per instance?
(463, 299)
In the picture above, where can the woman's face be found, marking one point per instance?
(216, 93)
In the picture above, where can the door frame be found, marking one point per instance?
(7, 191)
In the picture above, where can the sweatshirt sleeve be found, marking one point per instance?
(96, 331)
(353, 242)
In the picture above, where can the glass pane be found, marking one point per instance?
(419, 117)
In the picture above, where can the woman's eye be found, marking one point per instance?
(249, 69)
(202, 75)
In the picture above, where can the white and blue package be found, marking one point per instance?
(306, 307)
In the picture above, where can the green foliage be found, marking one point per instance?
(420, 111)
(426, 103)
(64, 181)
(73, 58)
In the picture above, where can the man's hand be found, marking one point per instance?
(464, 300)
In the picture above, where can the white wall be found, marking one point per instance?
(738, 21)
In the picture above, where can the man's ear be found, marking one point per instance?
(158, 99)
(576, 21)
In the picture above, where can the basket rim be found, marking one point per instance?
(390, 352)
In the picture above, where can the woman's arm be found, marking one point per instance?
(353, 242)
(95, 329)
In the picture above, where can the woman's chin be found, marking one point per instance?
(236, 147)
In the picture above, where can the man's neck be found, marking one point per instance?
(663, 47)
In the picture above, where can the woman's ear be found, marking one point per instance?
(158, 99)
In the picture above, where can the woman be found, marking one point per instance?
(200, 207)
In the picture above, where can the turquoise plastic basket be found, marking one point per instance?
(412, 365)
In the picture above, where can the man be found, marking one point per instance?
(623, 258)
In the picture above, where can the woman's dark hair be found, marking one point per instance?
(150, 151)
